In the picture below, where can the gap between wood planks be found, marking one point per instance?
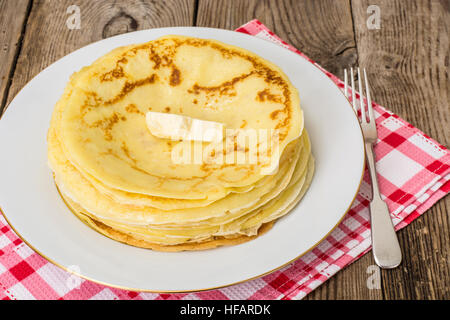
(195, 13)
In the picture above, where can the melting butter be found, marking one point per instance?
(179, 127)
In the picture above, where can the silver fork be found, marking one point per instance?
(385, 246)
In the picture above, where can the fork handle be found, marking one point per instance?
(385, 246)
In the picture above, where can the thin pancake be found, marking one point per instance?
(72, 183)
(102, 125)
(274, 210)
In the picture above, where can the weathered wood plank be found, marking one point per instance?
(425, 272)
(320, 29)
(13, 16)
(407, 61)
(48, 37)
(351, 283)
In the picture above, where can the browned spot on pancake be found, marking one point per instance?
(181, 110)
(166, 61)
(205, 167)
(286, 119)
(113, 74)
(109, 152)
(170, 147)
(126, 151)
(226, 88)
(130, 86)
(92, 99)
(131, 108)
(244, 123)
(106, 125)
(155, 58)
(167, 109)
(274, 114)
(116, 73)
(175, 77)
(239, 148)
(195, 101)
(266, 95)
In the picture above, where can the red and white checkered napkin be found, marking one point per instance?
(414, 173)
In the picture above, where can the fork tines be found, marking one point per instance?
(362, 109)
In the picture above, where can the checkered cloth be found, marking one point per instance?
(414, 173)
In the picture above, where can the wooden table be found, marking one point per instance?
(407, 58)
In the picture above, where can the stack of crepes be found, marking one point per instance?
(122, 180)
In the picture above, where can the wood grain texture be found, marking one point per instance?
(350, 283)
(320, 29)
(407, 60)
(12, 26)
(408, 66)
(48, 38)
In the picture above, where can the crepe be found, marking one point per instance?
(104, 134)
(277, 208)
(125, 181)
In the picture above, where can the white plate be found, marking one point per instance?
(34, 209)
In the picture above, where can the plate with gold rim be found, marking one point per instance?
(32, 206)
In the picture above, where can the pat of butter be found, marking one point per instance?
(178, 127)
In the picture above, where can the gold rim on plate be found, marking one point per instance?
(202, 289)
